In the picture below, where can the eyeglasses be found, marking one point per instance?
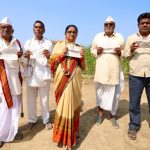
(74, 32)
(109, 24)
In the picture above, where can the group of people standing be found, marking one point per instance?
(39, 64)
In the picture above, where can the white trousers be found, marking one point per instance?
(32, 93)
(8, 119)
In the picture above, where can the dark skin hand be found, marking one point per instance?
(99, 50)
(133, 47)
(82, 52)
(27, 54)
(19, 54)
(46, 53)
(65, 50)
(118, 51)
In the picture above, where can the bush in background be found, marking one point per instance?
(125, 67)
(90, 62)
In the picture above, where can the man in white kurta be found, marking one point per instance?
(109, 79)
(38, 75)
(10, 51)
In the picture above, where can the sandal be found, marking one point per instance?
(30, 125)
(99, 119)
(1, 143)
(114, 123)
(78, 139)
(48, 126)
(19, 135)
(132, 134)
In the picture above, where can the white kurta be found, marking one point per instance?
(108, 75)
(38, 70)
(8, 117)
(38, 78)
(12, 65)
(107, 64)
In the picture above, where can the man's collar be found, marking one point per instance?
(38, 40)
(138, 34)
(114, 34)
(12, 39)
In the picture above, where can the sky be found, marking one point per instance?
(87, 15)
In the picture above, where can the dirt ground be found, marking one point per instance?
(93, 137)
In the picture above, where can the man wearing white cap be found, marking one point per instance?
(38, 75)
(10, 86)
(106, 47)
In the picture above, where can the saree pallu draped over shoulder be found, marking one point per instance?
(67, 84)
(5, 85)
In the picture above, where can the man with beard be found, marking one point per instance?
(137, 49)
(37, 51)
(108, 78)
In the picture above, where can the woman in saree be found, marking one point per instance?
(67, 84)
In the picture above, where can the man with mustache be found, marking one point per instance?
(137, 49)
(107, 48)
(10, 84)
(37, 51)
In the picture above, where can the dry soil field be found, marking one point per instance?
(93, 137)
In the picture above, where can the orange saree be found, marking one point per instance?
(67, 83)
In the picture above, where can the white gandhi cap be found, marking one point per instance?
(6, 21)
(109, 19)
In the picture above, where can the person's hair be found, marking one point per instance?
(143, 16)
(38, 21)
(71, 25)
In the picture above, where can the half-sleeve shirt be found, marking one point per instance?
(140, 60)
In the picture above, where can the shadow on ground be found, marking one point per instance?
(38, 127)
(124, 109)
(87, 117)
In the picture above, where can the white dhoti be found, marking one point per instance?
(8, 119)
(107, 96)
